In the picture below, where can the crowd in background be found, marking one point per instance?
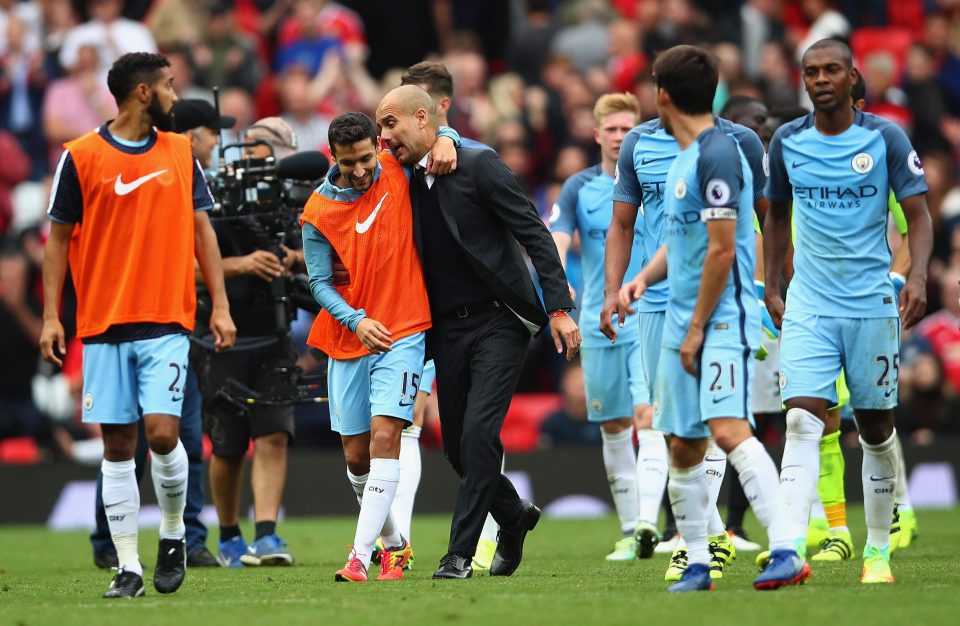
(526, 76)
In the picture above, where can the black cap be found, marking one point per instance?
(190, 114)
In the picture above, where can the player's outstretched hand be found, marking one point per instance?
(52, 336)
(564, 331)
(262, 263)
(223, 329)
(774, 302)
(374, 336)
(690, 350)
(443, 158)
(630, 293)
(913, 302)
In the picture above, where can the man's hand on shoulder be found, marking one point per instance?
(374, 336)
(564, 332)
(443, 157)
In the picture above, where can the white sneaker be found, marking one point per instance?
(742, 544)
(667, 546)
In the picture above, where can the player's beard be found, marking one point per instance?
(162, 120)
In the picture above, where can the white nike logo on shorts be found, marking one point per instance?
(121, 188)
(365, 225)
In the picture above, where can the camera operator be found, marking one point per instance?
(262, 350)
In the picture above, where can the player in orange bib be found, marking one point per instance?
(372, 328)
(128, 212)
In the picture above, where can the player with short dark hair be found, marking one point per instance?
(128, 211)
(835, 166)
(372, 329)
(712, 323)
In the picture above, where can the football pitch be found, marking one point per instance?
(49, 578)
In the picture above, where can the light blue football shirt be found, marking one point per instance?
(710, 180)
(839, 187)
(585, 204)
(645, 157)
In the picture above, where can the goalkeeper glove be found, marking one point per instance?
(772, 331)
(898, 280)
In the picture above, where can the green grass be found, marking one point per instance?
(49, 578)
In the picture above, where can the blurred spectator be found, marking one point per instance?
(330, 18)
(936, 36)
(776, 76)
(755, 25)
(238, 104)
(646, 95)
(942, 329)
(884, 97)
(585, 42)
(20, 325)
(225, 57)
(300, 112)
(14, 169)
(29, 15)
(77, 103)
(472, 112)
(184, 74)
(309, 43)
(626, 57)
(106, 28)
(928, 405)
(174, 23)
(675, 22)
(824, 22)
(568, 426)
(531, 42)
(926, 101)
(22, 83)
(343, 84)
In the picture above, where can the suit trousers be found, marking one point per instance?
(478, 359)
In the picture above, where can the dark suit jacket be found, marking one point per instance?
(484, 207)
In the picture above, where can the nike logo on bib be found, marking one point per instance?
(365, 225)
(121, 188)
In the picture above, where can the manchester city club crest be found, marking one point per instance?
(862, 163)
(680, 191)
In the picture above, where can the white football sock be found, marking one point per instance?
(121, 502)
(800, 469)
(651, 474)
(410, 470)
(758, 477)
(879, 483)
(169, 473)
(902, 495)
(715, 461)
(689, 494)
(816, 507)
(620, 463)
(375, 507)
(389, 533)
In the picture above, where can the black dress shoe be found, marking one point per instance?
(509, 552)
(201, 557)
(454, 566)
(105, 560)
(171, 565)
(125, 585)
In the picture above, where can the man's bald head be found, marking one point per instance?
(407, 117)
(408, 99)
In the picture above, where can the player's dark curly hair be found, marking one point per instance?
(132, 69)
(349, 128)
